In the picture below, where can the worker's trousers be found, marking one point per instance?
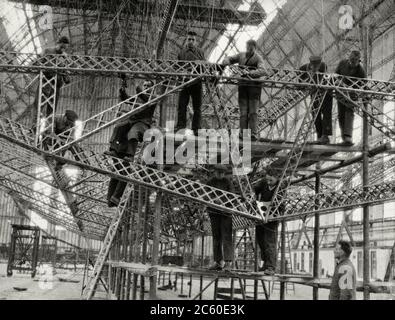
(194, 91)
(221, 227)
(346, 118)
(249, 99)
(266, 236)
(323, 121)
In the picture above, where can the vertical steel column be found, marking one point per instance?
(109, 282)
(282, 262)
(365, 178)
(256, 266)
(316, 271)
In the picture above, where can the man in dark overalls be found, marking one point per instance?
(190, 53)
(249, 94)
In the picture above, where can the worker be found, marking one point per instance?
(190, 53)
(350, 67)
(266, 234)
(61, 47)
(62, 123)
(249, 94)
(343, 286)
(221, 224)
(127, 135)
(323, 120)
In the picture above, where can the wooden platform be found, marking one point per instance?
(148, 270)
(312, 153)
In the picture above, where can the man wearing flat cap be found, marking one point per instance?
(323, 121)
(221, 223)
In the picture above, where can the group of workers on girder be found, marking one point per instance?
(129, 133)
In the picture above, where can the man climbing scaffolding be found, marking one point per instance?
(127, 135)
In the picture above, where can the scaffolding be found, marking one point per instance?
(132, 232)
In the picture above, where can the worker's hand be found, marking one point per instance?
(226, 61)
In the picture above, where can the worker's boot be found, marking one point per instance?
(215, 267)
(269, 271)
(324, 140)
(228, 266)
(347, 141)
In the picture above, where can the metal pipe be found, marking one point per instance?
(370, 153)
(282, 263)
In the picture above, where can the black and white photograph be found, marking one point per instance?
(199, 157)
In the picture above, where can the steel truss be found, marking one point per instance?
(172, 76)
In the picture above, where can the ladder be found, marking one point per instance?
(93, 280)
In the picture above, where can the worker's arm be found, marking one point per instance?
(261, 69)
(231, 60)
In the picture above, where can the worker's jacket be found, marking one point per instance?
(344, 281)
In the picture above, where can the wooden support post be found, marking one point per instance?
(202, 264)
(232, 288)
(215, 288)
(282, 262)
(109, 282)
(142, 285)
(190, 286)
(155, 245)
(128, 278)
(316, 271)
(134, 286)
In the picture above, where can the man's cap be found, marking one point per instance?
(315, 59)
(64, 40)
(71, 115)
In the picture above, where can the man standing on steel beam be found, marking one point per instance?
(350, 67)
(249, 94)
(190, 53)
(221, 224)
(323, 120)
(266, 234)
(344, 281)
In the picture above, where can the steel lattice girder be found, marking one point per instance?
(149, 68)
(105, 249)
(112, 115)
(295, 154)
(52, 209)
(183, 188)
(326, 202)
(135, 173)
(21, 165)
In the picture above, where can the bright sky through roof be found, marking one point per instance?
(246, 32)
